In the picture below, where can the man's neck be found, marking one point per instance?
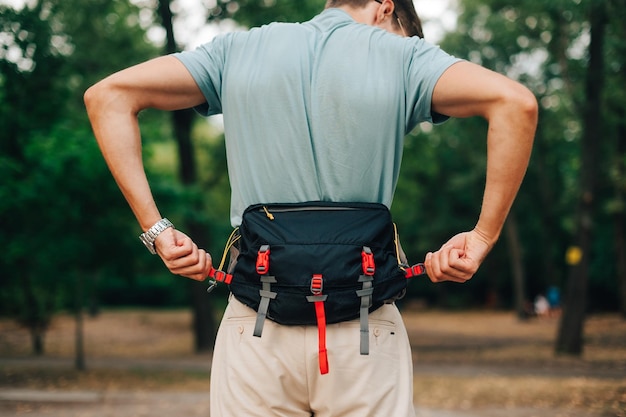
(360, 15)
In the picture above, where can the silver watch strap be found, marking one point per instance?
(151, 234)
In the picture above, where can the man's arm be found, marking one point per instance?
(465, 90)
(113, 106)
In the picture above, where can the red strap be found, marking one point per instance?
(220, 276)
(316, 288)
(415, 270)
(321, 333)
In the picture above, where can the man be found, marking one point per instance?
(317, 112)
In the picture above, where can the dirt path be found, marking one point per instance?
(467, 364)
(129, 403)
(188, 404)
(202, 363)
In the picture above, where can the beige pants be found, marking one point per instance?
(278, 374)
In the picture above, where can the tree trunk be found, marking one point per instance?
(620, 166)
(37, 334)
(620, 221)
(79, 345)
(204, 324)
(549, 219)
(570, 334)
(34, 315)
(517, 266)
(79, 358)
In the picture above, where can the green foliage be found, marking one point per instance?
(64, 218)
(251, 13)
(544, 46)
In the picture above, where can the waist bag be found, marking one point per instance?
(316, 263)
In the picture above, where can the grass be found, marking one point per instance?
(464, 360)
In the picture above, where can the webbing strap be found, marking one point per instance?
(262, 267)
(366, 292)
(266, 296)
(366, 301)
(318, 300)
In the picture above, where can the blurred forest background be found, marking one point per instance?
(69, 241)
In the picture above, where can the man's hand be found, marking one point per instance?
(182, 256)
(458, 259)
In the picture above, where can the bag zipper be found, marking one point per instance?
(270, 215)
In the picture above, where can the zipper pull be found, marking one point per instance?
(268, 214)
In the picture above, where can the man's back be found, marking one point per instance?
(316, 111)
(320, 108)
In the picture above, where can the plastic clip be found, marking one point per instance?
(317, 284)
(415, 270)
(263, 260)
(367, 260)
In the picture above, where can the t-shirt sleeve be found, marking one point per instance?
(426, 65)
(206, 66)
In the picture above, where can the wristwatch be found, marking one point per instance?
(151, 234)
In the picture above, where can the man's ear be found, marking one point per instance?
(385, 10)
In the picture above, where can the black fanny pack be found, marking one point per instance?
(317, 262)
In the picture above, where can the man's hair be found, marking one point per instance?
(404, 9)
(411, 23)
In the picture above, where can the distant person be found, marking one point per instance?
(542, 307)
(554, 300)
(315, 115)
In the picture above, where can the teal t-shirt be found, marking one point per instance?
(316, 111)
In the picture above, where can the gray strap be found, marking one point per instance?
(266, 296)
(366, 301)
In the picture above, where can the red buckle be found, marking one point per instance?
(367, 260)
(317, 284)
(263, 260)
(220, 276)
(415, 270)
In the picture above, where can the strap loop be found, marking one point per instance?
(318, 300)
